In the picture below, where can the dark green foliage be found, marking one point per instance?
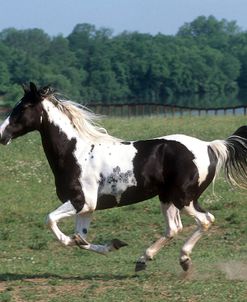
(92, 65)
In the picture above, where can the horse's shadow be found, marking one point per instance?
(46, 276)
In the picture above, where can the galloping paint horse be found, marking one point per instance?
(95, 171)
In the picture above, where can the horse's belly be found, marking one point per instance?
(131, 195)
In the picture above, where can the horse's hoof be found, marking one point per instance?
(140, 266)
(117, 244)
(186, 264)
(79, 240)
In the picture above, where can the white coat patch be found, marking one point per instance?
(115, 163)
(59, 119)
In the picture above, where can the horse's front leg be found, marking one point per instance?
(81, 230)
(82, 226)
(114, 245)
(65, 210)
(83, 220)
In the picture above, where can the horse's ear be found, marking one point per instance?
(25, 88)
(33, 88)
(35, 92)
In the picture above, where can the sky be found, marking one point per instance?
(146, 16)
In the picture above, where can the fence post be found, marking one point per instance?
(164, 110)
(173, 111)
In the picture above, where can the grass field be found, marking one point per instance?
(35, 267)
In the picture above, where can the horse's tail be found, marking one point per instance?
(232, 157)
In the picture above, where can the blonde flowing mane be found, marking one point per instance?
(84, 120)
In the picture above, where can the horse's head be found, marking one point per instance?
(25, 117)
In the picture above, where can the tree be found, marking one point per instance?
(58, 54)
(24, 68)
(206, 56)
(4, 78)
(13, 94)
(32, 41)
(210, 31)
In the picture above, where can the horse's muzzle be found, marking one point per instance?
(5, 138)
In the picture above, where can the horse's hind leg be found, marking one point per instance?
(204, 221)
(173, 226)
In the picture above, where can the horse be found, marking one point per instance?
(94, 170)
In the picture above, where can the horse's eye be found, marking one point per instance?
(26, 106)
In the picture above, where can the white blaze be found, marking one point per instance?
(4, 125)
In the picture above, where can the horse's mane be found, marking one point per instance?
(84, 120)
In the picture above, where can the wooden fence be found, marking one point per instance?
(150, 109)
(130, 110)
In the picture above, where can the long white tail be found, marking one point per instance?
(232, 157)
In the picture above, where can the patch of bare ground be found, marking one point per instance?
(41, 288)
(234, 270)
(2, 287)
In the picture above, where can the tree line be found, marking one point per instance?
(94, 65)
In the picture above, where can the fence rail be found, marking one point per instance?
(151, 109)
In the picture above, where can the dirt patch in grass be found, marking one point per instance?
(40, 290)
(2, 287)
(234, 270)
(44, 289)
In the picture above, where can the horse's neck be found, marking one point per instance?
(58, 145)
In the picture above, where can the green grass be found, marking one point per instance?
(35, 267)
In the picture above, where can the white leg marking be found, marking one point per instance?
(155, 248)
(173, 220)
(173, 226)
(204, 221)
(65, 210)
(82, 224)
(98, 248)
(83, 220)
(189, 244)
(178, 221)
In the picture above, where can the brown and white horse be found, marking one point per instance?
(95, 171)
